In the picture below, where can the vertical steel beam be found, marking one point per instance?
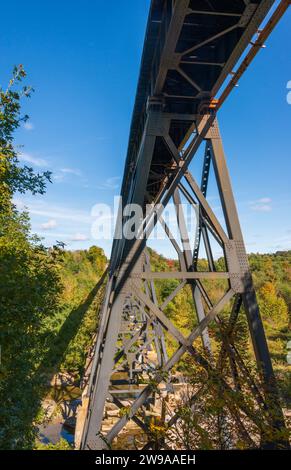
(127, 254)
(249, 297)
(159, 334)
(91, 438)
(188, 266)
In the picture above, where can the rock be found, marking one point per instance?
(110, 407)
(152, 413)
(113, 413)
(49, 407)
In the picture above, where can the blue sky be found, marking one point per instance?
(82, 58)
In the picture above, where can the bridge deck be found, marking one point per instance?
(190, 48)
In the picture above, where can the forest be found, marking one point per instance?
(52, 327)
(50, 298)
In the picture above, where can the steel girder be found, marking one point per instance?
(129, 284)
(189, 50)
(171, 119)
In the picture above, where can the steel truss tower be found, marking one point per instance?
(132, 367)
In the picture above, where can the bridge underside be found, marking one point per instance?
(191, 47)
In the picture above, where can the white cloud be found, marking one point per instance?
(50, 224)
(27, 158)
(53, 235)
(264, 200)
(79, 237)
(60, 175)
(110, 183)
(71, 171)
(261, 208)
(51, 211)
(28, 126)
(261, 205)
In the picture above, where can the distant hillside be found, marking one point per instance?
(71, 328)
(66, 333)
(82, 269)
(272, 276)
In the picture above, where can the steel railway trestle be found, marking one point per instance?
(191, 49)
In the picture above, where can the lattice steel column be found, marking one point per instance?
(133, 292)
(178, 96)
(241, 280)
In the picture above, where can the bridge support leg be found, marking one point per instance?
(99, 390)
(134, 289)
(248, 294)
(186, 265)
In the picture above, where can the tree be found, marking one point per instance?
(29, 281)
(273, 308)
(13, 177)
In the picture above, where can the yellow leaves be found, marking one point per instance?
(268, 290)
(272, 306)
(157, 428)
(124, 411)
